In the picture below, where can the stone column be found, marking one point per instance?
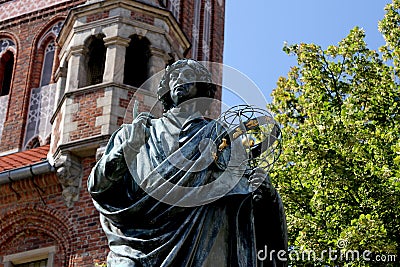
(115, 59)
(158, 60)
(60, 78)
(76, 75)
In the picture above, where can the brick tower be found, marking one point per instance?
(68, 71)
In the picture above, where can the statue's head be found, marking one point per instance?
(183, 80)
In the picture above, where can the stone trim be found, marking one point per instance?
(69, 172)
(79, 146)
(74, 22)
(78, 50)
(116, 40)
(31, 255)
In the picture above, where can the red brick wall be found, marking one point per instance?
(57, 133)
(217, 31)
(27, 222)
(186, 19)
(217, 39)
(97, 16)
(25, 31)
(142, 18)
(86, 115)
(217, 27)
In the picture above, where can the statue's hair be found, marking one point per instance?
(203, 82)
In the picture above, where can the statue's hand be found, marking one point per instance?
(260, 184)
(140, 131)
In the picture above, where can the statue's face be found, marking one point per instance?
(182, 84)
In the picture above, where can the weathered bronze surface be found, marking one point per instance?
(169, 196)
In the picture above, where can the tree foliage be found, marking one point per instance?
(339, 172)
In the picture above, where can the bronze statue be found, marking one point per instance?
(170, 193)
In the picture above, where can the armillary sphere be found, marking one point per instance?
(259, 132)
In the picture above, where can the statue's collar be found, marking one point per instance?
(182, 118)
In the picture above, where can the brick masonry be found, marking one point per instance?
(16, 8)
(36, 218)
(27, 68)
(33, 213)
(86, 115)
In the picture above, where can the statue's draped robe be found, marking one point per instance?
(143, 231)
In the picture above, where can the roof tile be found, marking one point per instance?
(24, 158)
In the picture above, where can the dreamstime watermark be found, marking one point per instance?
(331, 254)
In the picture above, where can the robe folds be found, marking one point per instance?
(178, 200)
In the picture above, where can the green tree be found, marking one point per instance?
(339, 171)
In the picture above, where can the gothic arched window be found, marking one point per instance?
(47, 67)
(137, 61)
(96, 60)
(34, 143)
(6, 72)
(6, 65)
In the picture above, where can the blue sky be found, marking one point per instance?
(255, 31)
